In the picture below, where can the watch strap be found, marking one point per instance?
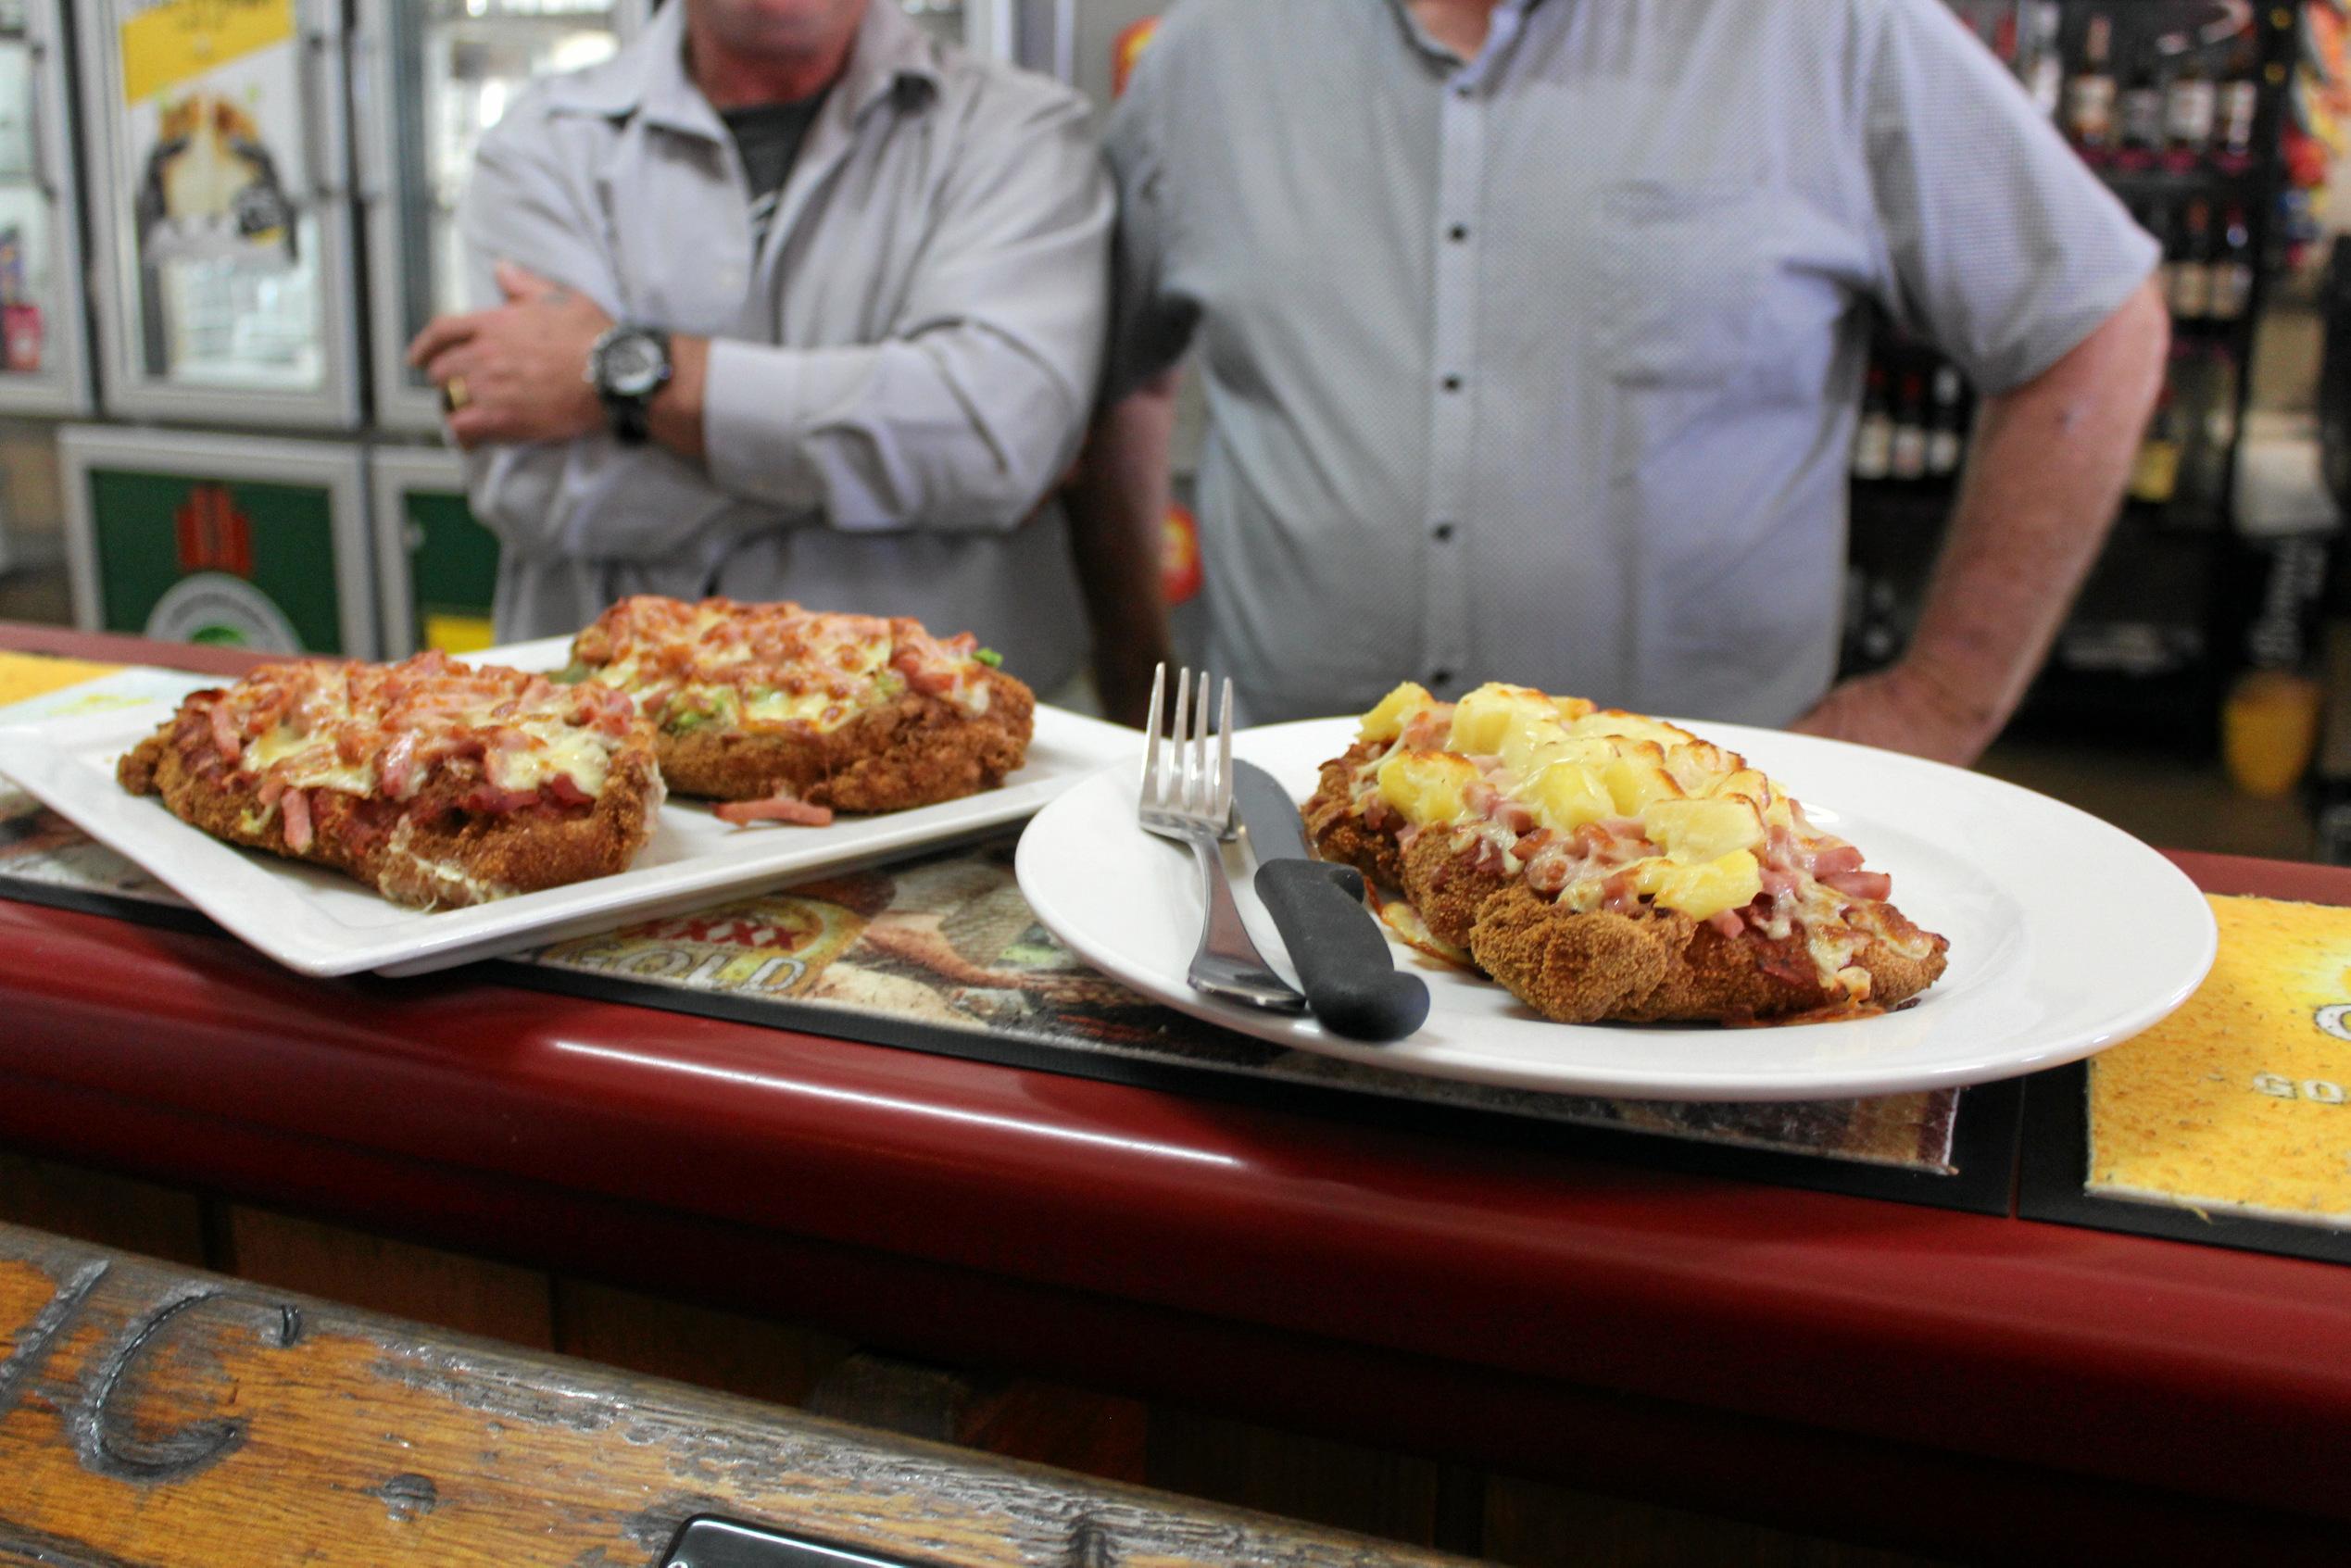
(630, 414)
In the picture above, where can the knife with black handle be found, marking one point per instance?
(1344, 962)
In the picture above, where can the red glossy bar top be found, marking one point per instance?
(1671, 1324)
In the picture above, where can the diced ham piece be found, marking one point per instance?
(298, 820)
(1861, 885)
(1730, 922)
(1835, 861)
(775, 808)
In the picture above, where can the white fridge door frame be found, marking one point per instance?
(127, 387)
(398, 404)
(393, 471)
(336, 466)
(61, 388)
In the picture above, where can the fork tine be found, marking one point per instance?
(1152, 728)
(1179, 791)
(1223, 806)
(1204, 796)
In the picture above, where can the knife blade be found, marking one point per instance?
(1344, 963)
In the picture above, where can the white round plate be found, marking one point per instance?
(2067, 936)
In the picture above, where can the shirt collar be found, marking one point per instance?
(1501, 31)
(650, 78)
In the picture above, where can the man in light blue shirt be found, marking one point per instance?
(785, 300)
(1533, 335)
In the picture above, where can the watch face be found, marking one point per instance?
(632, 365)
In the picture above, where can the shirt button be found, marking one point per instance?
(1451, 383)
(1458, 233)
(1443, 533)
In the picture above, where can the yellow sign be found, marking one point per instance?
(24, 676)
(2241, 1101)
(180, 39)
(459, 633)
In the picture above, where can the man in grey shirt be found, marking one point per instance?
(1532, 332)
(861, 287)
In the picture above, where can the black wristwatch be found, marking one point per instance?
(628, 367)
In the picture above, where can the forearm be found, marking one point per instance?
(674, 418)
(1118, 502)
(2050, 463)
(957, 428)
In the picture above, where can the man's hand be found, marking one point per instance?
(518, 371)
(1903, 708)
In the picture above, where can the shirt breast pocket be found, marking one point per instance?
(1683, 268)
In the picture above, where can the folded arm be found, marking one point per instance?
(961, 418)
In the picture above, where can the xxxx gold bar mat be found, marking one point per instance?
(28, 675)
(2236, 1104)
(942, 954)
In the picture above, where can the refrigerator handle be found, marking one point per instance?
(326, 147)
(39, 47)
(371, 160)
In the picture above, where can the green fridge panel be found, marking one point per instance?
(437, 567)
(221, 540)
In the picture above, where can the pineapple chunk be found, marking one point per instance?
(1695, 831)
(1428, 786)
(1698, 765)
(1573, 707)
(1632, 726)
(1566, 795)
(1638, 777)
(1701, 891)
(1486, 715)
(1388, 720)
(1747, 783)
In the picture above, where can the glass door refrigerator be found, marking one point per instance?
(431, 76)
(44, 363)
(220, 203)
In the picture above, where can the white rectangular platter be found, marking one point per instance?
(320, 922)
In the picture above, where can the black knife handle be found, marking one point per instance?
(1344, 961)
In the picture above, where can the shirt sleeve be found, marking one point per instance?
(2001, 247)
(1149, 331)
(972, 406)
(589, 497)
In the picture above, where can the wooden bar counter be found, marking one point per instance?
(1966, 1386)
(153, 1415)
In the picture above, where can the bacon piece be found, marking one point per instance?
(224, 733)
(489, 801)
(1861, 885)
(298, 820)
(395, 775)
(565, 791)
(775, 808)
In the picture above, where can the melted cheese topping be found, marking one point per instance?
(737, 665)
(383, 730)
(1608, 810)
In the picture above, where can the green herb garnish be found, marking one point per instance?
(990, 658)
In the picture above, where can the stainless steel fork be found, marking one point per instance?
(1191, 800)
